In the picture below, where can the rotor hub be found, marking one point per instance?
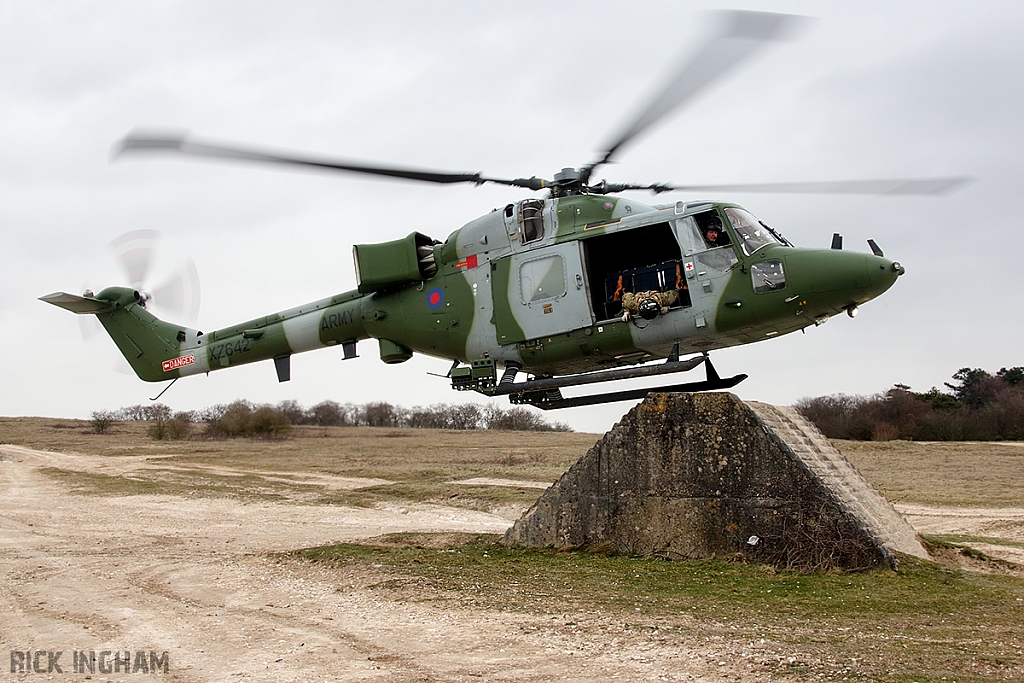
(568, 176)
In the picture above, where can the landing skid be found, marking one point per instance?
(551, 399)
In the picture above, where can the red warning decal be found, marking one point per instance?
(176, 363)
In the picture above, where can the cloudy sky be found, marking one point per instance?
(870, 90)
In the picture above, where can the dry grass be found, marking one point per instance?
(943, 474)
(926, 623)
(420, 463)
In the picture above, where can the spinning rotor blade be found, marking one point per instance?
(134, 251)
(741, 35)
(178, 295)
(183, 145)
(904, 186)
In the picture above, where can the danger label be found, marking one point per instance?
(176, 363)
(470, 262)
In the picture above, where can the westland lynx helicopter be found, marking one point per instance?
(578, 287)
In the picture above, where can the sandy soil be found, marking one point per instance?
(135, 572)
(96, 573)
(995, 523)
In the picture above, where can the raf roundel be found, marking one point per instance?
(435, 298)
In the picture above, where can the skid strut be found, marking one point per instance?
(545, 392)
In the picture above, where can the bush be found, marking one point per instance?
(520, 419)
(176, 428)
(243, 419)
(883, 431)
(331, 414)
(836, 416)
(295, 413)
(981, 407)
(382, 415)
(141, 413)
(102, 420)
(269, 422)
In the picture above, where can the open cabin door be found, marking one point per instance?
(634, 260)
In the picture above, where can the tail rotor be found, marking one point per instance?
(141, 259)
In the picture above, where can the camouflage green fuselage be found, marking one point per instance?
(540, 283)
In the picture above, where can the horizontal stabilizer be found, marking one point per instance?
(77, 304)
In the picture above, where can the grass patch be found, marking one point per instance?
(926, 621)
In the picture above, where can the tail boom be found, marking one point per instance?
(158, 350)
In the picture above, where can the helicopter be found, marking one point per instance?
(581, 286)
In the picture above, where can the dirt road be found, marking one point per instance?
(191, 576)
(194, 577)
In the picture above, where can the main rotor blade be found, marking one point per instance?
(896, 186)
(740, 36)
(183, 145)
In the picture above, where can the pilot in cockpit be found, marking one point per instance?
(713, 232)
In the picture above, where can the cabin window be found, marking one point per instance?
(531, 220)
(635, 260)
(542, 278)
(768, 276)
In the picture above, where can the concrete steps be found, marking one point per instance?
(853, 492)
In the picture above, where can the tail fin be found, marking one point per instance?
(152, 347)
(77, 304)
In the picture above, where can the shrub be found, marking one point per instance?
(141, 413)
(294, 413)
(330, 414)
(243, 419)
(981, 407)
(381, 415)
(267, 422)
(515, 418)
(102, 420)
(176, 428)
(883, 431)
(834, 415)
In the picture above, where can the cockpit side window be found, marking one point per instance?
(711, 229)
(531, 220)
(711, 244)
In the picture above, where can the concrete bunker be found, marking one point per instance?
(687, 476)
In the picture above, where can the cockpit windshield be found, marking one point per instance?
(751, 233)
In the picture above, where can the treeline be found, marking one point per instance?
(245, 419)
(975, 406)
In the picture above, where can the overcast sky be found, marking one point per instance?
(871, 90)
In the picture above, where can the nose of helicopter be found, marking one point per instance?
(882, 273)
(844, 277)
